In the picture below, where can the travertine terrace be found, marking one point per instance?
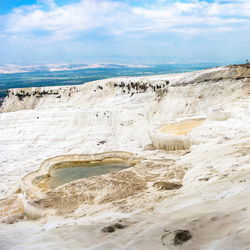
(187, 140)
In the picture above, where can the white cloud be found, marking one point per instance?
(63, 21)
(116, 18)
(50, 3)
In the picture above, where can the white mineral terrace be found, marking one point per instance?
(185, 138)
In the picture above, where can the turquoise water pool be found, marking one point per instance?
(60, 176)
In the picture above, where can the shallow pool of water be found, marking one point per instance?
(60, 176)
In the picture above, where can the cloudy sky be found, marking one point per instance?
(123, 31)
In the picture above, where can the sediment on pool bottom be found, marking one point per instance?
(174, 135)
(62, 175)
(60, 170)
(109, 190)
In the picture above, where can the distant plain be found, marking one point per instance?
(72, 77)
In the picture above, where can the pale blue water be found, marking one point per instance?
(60, 176)
(72, 77)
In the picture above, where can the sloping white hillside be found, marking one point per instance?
(200, 187)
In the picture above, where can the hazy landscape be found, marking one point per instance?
(43, 76)
(124, 125)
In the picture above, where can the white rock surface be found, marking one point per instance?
(213, 203)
